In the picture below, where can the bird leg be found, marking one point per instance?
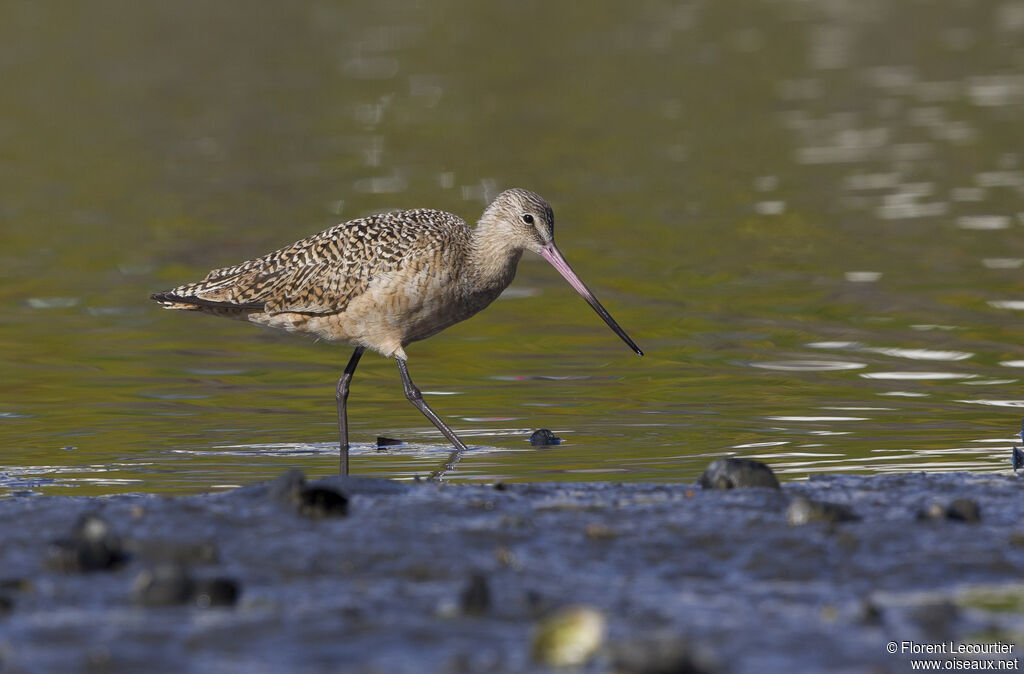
(416, 398)
(341, 394)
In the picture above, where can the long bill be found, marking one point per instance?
(551, 253)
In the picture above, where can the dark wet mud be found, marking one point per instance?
(361, 575)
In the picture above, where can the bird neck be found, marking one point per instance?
(492, 258)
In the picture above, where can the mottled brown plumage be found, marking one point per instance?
(385, 281)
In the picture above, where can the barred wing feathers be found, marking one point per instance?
(322, 273)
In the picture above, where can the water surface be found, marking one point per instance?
(808, 214)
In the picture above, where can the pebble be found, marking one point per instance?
(171, 585)
(543, 438)
(163, 585)
(310, 501)
(959, 510)
(871, 613)
(208, 592)
(91, 546)
(320, 502)
(732, 473)
(963, 510)
(804, 511)
(569, 637)
(475, 598)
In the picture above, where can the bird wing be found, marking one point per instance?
(324, 272)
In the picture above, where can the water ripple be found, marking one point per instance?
(994, 403)
(822, 418)
(916, 375)
(1017, 305)
(919, 354)
(808, 365)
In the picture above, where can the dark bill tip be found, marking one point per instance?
(553, 256)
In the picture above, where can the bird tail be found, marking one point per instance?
(168, 300)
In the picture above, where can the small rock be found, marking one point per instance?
(506, 557)
(208, 592)
(871, 613)
(91, 546)
(163, 585)
(732, 473)
(964, 510)
(933, 512)
(543, 437)
(310, 501)
(658, 655)
(475, 598)
(803, 511)
(569, 637)
(322, 502)
(959, 510)
(387, 442)
(171, 585)
(1016, 458)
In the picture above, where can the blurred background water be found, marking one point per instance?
(808, 213)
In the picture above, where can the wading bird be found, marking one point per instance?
(385, 281)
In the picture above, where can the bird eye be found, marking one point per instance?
(527, 218)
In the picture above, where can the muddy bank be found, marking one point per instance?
(377, 576)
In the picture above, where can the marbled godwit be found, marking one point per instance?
(386, 281)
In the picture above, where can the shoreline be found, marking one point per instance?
(364, 574)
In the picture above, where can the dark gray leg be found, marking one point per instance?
(416, 398)
(341, 394)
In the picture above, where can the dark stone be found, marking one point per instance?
(543, 438)
(475, 598)
(322, 502)
(172, 585)
(803, 511)
(91, 546)
(6, 605)
(387, 442)
(1017, 458)
(215, 592)
(661, 656)
(163, 585)
(964, 510)
(871, 613)
(310, 501)
(958, 510)
(731, 473)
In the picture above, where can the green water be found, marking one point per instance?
(808, 214)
